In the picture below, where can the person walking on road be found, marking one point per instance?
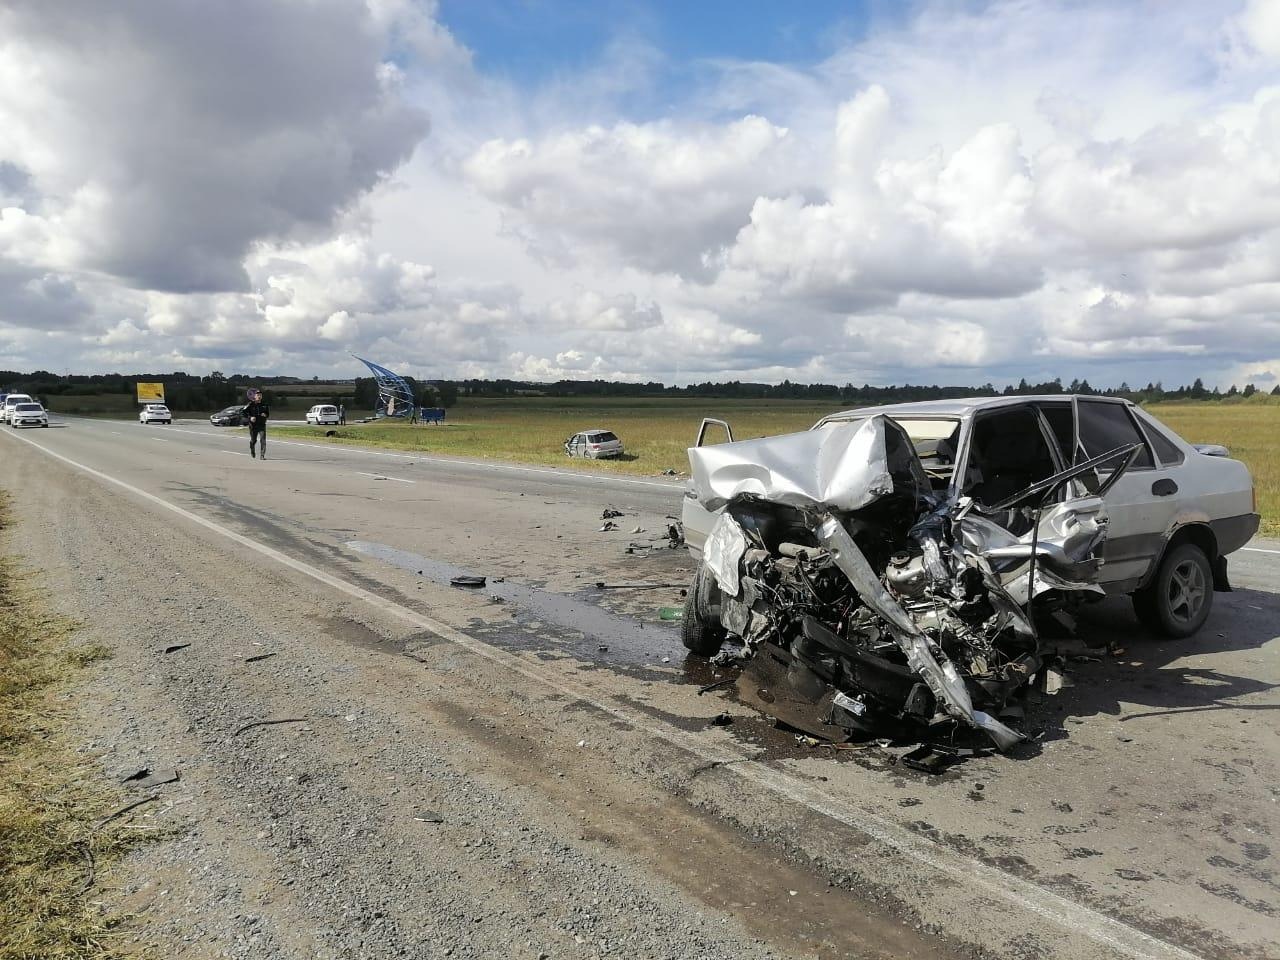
(256, 413)
(342, 414)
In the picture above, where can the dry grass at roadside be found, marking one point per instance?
(50, 797)
(657, 432)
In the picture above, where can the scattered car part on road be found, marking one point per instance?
(267, 723)
(175, 647)
(470, 582)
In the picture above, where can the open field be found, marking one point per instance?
(1249, 429)
(657, 432)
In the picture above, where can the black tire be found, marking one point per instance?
(1178, 601)
(699, 634)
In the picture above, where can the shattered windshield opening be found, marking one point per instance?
(865, 601)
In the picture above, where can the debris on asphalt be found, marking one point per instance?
(670, 613)
(123, 810)
(638, 530)
(716, 685)
(266, 723)
(174, 647)
(468, 581)
(721, 720)
(607, 526)
(146, 779)
(428, 816)
(610, 513)
(668, 473)
(675, 534)
(930, 758)
(602, 585)
(258, 656)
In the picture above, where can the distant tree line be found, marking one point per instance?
(185, 391)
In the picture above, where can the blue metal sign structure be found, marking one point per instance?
(395, 396)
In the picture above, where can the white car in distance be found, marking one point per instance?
(323, 413)
(11, 401)
(155, 413)
(28, 415)
(594, 445)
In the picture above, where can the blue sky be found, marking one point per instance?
(530, 41)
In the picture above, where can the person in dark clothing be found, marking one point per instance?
(256, 414)
(342, 414)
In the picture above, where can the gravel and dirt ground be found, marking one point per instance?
(527, 770)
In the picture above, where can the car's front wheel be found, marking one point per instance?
(1178, 601)
(698, 632)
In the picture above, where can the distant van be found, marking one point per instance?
(10, 401)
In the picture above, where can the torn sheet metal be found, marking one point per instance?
(722, 554)
(841, 466)
(877, 602)
(936, 670)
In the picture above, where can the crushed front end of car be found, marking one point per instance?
(868, 604)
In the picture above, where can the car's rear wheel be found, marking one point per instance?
(698, 632)
(1178, 601)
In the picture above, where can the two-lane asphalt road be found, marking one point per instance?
(1140, 821)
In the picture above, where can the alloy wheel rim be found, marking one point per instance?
(1187, 591)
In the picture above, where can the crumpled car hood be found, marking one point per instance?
(841, 466)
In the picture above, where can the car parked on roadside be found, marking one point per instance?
(10, 401)
(229, 417)
(29, 415)
(323, 413)
(593, 445)
(154, 413)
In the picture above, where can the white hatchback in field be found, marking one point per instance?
(323, 413)
(593, 445)
(28, 415)
(1173, 515)
(155, 413)
(11, 401)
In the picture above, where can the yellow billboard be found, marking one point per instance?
(151, 392)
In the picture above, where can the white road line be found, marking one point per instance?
(1260, 550)
(159, 439)
(234, 453)
(1075, 918)
(379, 476)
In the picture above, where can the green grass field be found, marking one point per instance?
(657, 432)
(1250, 429)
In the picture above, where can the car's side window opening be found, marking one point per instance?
(935, 443)
(1105, 426)
(1007, 453)
(1169, 452)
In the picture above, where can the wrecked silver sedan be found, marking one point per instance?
(866, 600)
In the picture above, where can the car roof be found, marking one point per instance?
(959, 406)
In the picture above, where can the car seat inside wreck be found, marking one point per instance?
(870, 599)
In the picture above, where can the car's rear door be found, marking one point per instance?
(1140, 505)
